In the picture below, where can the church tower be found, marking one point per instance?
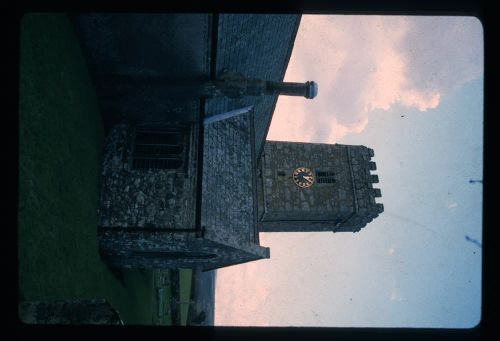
(316, 187)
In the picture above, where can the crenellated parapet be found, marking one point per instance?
(366, 208)
(341, 196)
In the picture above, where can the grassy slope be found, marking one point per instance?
(185, 281)
(59, 148)
(166, 319)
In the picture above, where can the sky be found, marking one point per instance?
(411, 88)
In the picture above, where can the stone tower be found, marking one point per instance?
(316, 187)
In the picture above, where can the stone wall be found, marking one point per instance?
(367, 208)
(345, 205)
(145, 198)
(147, 217)
(75, 312)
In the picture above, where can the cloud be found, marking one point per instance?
(240, 293)
(452, 205)
(442, 54)
(371, 63)
(362, 65)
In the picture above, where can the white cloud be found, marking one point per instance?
(452, 205)
(368, 63)
(361, 64)
(442, 54)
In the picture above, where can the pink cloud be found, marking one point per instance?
(362, 64)
(240, 293)
(368, 63)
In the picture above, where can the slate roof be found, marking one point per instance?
(229, 189)
(125, 52)
(148, 45)
(258, 46)
(130, 55)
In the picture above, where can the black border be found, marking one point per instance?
(483, 10)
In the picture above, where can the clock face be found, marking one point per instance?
(303, 177)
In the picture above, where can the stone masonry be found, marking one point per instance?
(201, 202)
(348, 204)
(147, 216)
(141, 198)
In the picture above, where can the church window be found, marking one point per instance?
(325, 177)
(158, 149)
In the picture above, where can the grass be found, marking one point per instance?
(166, 318)
(185, 280)
(60, 143)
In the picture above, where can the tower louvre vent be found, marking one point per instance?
(325, 177)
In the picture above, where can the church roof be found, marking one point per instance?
(229, 207)
(136, 59)
(257, 46)
(131, 56)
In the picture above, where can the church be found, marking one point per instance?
(188, 179)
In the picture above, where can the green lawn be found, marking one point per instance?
(163, 302)
(185, 280)
(60, 142)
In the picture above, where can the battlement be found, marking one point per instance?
(340, 198)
